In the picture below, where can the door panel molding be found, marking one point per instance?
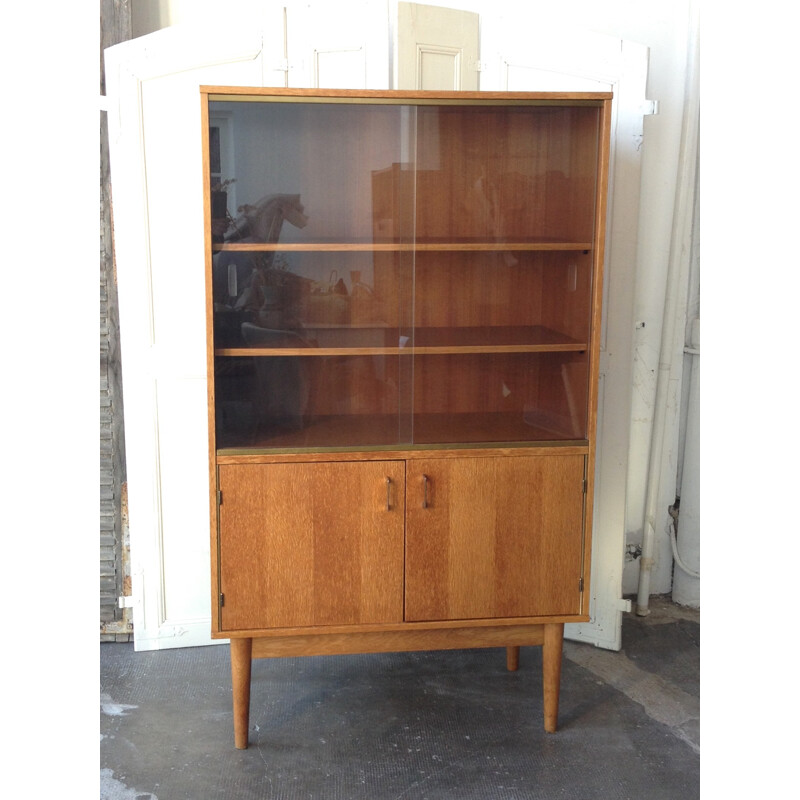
(440, 34)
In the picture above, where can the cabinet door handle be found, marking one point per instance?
(388, 494)
(425, 491)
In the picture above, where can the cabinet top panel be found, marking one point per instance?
(266, 94)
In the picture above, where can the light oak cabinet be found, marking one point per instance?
(403, 312)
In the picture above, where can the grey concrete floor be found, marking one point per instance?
(449, 724)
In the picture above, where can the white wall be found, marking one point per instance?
(151, 15)
(663, 26)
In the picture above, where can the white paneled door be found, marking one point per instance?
(154, 128)
(436, 48)
(338, 46)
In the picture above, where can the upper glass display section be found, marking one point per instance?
(357, 173)
(397, 274)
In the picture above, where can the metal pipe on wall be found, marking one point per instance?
(686, 581)
(680, 247)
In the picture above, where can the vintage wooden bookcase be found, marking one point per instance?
(403, 310)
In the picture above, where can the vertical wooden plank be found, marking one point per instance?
(210, 371)
(472, 535)
(601, 205)
(427, 552)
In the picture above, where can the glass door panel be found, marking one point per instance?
(313, 275)
(306, 169)
(503, 272)
(389, 267)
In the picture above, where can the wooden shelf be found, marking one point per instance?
(431, 341)
(400, 247)
(390, 431)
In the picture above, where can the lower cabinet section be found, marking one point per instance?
(417, 552)
(320, 543)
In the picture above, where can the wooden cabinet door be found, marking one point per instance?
(494, 537)
(304, 544)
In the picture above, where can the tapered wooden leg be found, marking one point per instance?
(241, 659)
(512, 659)
(551, 673)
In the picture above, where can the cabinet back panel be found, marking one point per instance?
(504, 288)
(494, 174)
(539, 390)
